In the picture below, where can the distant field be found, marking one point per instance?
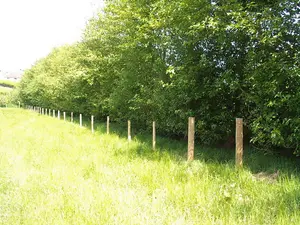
(8, 83)
(54, 172)
(5, 89)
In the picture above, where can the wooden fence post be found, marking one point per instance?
(80, 120)
(46, 112)
(58, 114)
(153, 136)
(239, 143)
(53, 112)
(129, 130)
(92, 123)
(191, 138)
(72, 117)
(107, 125)
(64, 116)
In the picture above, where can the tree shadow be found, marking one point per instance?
(253, 160)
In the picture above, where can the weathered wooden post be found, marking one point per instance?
(239, 143)
(46, 112)
(64, 116)
(58, 114)
(129, 131)
(80, 120)
(153, 136)
(72, 117)
(53, 112)
(107, 125)
(92, 123)
(191, 138)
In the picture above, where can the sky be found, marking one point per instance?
(30, 29)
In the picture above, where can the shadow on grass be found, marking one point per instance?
(254, 160)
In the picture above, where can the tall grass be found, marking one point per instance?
(53, 172)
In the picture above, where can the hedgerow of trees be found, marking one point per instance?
(8, 94)
(168, 60)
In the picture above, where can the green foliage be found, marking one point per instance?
(7, 95)
(165, 61)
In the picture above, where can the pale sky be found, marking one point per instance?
(29, 29)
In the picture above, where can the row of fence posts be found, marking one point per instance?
(191, 132)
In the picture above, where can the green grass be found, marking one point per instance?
(8, 83)
(4, 90)
(53, 172)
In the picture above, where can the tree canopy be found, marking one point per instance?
(167, 60)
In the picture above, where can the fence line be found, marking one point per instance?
(191, 132)
(153, 135)
(191, 138)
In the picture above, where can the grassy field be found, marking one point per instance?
(53, 172)
(8, 83)
(5, 89)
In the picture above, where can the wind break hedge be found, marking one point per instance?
(166, 61)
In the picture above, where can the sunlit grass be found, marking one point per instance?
(5, 89)
(54, 172)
